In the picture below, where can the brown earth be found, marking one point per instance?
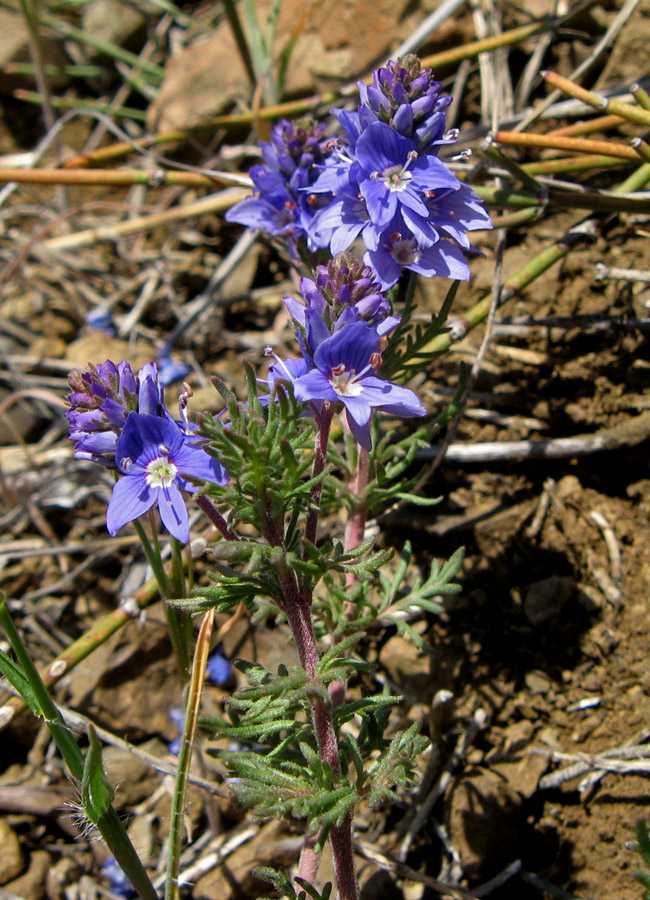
(545, 648)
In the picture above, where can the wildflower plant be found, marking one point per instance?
(317, 432)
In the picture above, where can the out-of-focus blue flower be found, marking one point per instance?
(177, 715)
(171, 370)
(219, 667)
(101, 320)
(283, 203)
(117, 880)
(345, 366)
(156, 458)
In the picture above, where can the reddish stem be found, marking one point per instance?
(297, 606)
(324, 420)
(216, 518)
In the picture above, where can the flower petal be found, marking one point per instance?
(173, 513)
(313, 386)
(131, 498)
(197, 463)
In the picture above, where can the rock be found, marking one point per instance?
(407, 666)
(137, 684)
(120, 23)
(234, 878)
(60, 878)
(12, 861)
(483, 820)
(377, 884)
(538, 682)
(545, 599)
(14, 47)
(336, 42)
(523, 775)
(31, 885)
(132, 778)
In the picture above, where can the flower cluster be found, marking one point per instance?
(341, 328)
(388, 185)
(120, 420)
(283, 203)
(382, 181)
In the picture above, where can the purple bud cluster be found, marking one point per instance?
(409, 99)
(341, 326)
(282, 203)
(120, 420)
(102, 397)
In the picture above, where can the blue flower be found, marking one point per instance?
(177, 715)
(394, 177)
(219, 667)
(283, 204)
(118, 882)
(156, 459)
(101, 320)
(396, 248)
(171, 370)
(345, 366)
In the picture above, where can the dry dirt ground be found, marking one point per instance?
(540, 662)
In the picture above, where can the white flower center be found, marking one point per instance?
(344, 383)
(161, 472)
(405, 252)
(396, 178)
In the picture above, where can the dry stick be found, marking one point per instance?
(602, 45)
(463, 744)
(311, 104)
(215, 203)
(495, 299)
(116, 177)
(401, 870)
(557, 142)
(625, 434)
(100, 632)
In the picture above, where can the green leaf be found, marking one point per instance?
(19, 681)
(96, 793)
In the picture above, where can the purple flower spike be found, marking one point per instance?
(156, 459)
(345, 371)
(283, 203)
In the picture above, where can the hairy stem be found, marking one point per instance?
(215, 517)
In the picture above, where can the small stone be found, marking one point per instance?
(12, 861)
(593, 681)
(112, 20)
(483, 821)
(545, 599)
(538, 682)
(589, 598)
(31, 885)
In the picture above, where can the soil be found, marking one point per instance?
(542, 658)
